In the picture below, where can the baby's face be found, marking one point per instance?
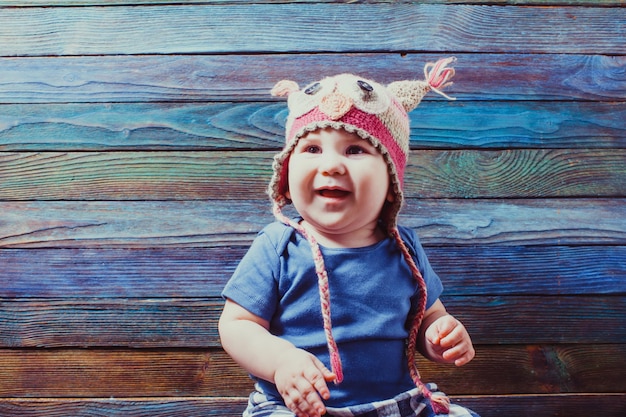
(338, 182)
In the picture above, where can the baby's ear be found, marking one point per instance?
(284, 87)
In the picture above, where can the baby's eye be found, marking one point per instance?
(312, 149)
(355, 150)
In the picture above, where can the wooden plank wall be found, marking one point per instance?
(135, 147)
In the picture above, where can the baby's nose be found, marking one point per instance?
(332, 164)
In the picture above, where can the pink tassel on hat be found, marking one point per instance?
(438, 75)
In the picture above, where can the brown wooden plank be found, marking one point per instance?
(119, 373)
(571, 405)
(245, 175)
(202, 272)
(162, 323)
(531, 369)
(241, 77)
(140, 224)
(145, 323)
(137, 373)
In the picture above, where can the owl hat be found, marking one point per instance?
(377, 114)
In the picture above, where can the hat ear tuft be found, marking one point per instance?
(409, 93)
(437, 76)
(284, 88)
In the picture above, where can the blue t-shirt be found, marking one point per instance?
(372, 292)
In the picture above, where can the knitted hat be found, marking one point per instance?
(377, 114)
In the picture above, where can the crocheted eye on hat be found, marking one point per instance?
(378, 114)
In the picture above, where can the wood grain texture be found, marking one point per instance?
(189, 272)
(541, 319)
(140, 224)
(516, 222)
(572, 405)
(260, 126)
(148, 2)
(135, 145)
(239, 176)
(373, 27)
(245, 77)
(192, 323)
(125, 407)
(531, 369)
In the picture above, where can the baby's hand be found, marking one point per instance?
(301, 381)
(449, 341)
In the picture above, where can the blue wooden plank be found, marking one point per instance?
(202, 272)
(310, 28)
(258, 126)
(141, 224)
(185, 322)
(250, 77)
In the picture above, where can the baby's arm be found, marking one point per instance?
(442, 338)
(299, 376)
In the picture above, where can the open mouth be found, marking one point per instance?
(333, 193)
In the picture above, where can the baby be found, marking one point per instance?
(342, 169)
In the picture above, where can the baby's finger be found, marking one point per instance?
(443, 327)
(455, 335)
(319, 380)
(432, 335)
(459, 354)
(304, 401)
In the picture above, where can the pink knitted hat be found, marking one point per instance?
(377, 114)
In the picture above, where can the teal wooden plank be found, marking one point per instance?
(511, 125)
(516, 173)
(138, 224)
(309, 28)
(203, 272)
(259, 126)
(192, 323)
(245, 175)
(152, 2)
(501, 76)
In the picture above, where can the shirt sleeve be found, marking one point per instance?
(254, 284)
